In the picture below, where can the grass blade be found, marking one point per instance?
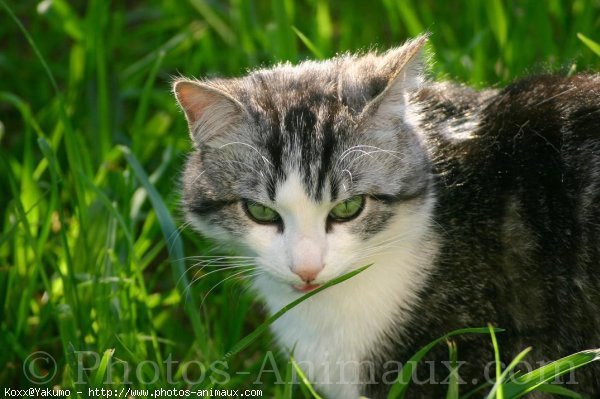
(73, 153)
(303, 379)
(101, 372)
(264, 326)
(403, 381)
(308, 43)
(453, 390)
(498, 390)
(498, 21)
(288, 389)
(498, 386)
(174, 245)
(595, 47)
(532, 380)
(558, 390)
(214, 20)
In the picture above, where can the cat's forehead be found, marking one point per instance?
(277, 95)
(311, 87)
(300, 124)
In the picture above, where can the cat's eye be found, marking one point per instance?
(348, 209)
(260, 213)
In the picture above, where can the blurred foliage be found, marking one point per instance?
(89, 169)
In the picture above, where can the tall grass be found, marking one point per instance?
(92, 246)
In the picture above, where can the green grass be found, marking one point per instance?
(92, 248)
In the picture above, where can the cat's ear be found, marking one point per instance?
(402, 67)
(208, 110)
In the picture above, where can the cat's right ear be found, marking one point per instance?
(209, 111)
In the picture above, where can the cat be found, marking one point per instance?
(472, 207)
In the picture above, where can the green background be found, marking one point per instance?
(93, 245)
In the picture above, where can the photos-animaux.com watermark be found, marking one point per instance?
(40, 368)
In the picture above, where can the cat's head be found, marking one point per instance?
(315, 169)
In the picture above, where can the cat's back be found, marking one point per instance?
(518, 212)
(531, 158)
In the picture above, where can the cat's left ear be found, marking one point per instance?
(210, 112)
(403, 67)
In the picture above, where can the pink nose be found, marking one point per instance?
(307, 272)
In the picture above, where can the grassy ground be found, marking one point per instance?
(92, 256)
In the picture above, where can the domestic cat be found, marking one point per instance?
(472, 207)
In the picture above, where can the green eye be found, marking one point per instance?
(348, 209)
(260, 213)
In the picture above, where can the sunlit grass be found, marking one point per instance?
(92, 248)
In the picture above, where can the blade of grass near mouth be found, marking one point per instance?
(247, 340)
(258, 331)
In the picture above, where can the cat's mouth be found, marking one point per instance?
(304, 288)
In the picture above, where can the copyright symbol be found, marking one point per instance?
(39, 367)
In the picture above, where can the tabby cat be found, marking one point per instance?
(473, 207)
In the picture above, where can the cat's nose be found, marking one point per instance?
(307, 260)
(307, 273)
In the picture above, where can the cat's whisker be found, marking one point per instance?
(359, 259)
(430, 220)
(387, 240)
(193, 257)
(201, 266)
(221, 269)
(265, 159)
(370, 154)
(184, 274)
(246, 165)
(221, 282)
(349, 174)
(386, 243)
(218, 261)
(195, 280)
(377, 249)
(209, 262)
(176, 233)
(198, 176)
(350, 150)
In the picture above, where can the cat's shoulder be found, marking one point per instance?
(552, 90)
(526, 93)
(550, 105)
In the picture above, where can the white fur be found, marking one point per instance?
(332, 332)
